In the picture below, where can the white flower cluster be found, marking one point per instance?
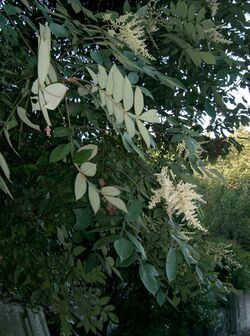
(213, 5)
(130, 30)
(180, 199)
(216, 36)
(183, 149)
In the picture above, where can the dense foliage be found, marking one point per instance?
(112, 93)
(227, 212)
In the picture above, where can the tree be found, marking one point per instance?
(113, 93)
(226, 213)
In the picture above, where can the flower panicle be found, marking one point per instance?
(129, 29)
(180, 199)
(216, 36)
(214, 6)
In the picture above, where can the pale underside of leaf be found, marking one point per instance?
(92, 75)
(129, 125)
(4, 166)
(34, 88)
(150, 116)
(144, 132)
(4, 187)
(117, 202)
(52, 74)
(94, 197)
(110, 82)
(127, 94)
(110, 105)
(23, 116)
(53, 94)
(43, 60)
(118, 86)
(110, 191)
(139, 101)
(7, 136)
(88, 168)
(119, 114)
(102, 98)
(102, 77)
(80, 186)
(43, 107)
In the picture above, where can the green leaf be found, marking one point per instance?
(170, 81)
(210, 110)
(199, 272)
(127, 95)
(137, 244)
(88, 168)
(126, 7)
(150, 116)
(148, 276)
(94, 197)
(172, 8)
(134, 210)
(117, 202)
(22, 114)
(88, 13)
(60, 152)
(171, 264)
(129, 261)
(11, 10)
(106, 241)
(133, 77)
(78, 250)
(60, 236)
(146, 92)
(76, 5)
(190, 28)
(181, 9)
(113, 318)
(208, 57)
(4, 166)
(194, 55)
(160, 298)
(139, 101)
(83, 218)
(191, 12)
(80, 186)
(110, 191)
(91, 147)
(60, 132)
(104, 300)
(59, 29)
(124, 248)
(82, 156)
(201, 14)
